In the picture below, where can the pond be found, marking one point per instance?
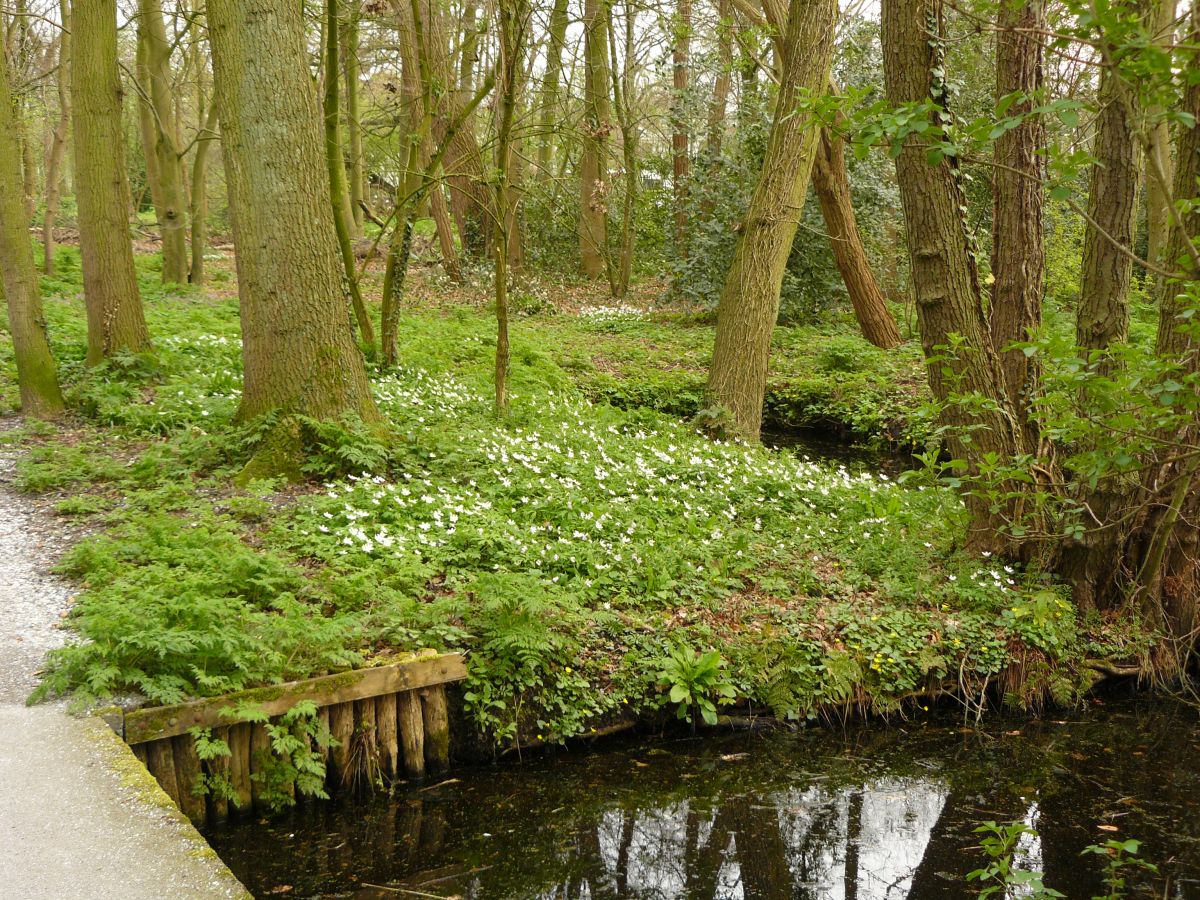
(860, 811)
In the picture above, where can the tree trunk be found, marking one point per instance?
(623, 103)
(114, 309)
(749, 303)
(58, 142)
(350, 51)
(681, 76)
(336, 171)
(36, 374)
(593, 164)
(1158, 155)
(832, 187)
(170, 203)
(199, 199)
(469, 199)
(547, 130)
(1018, 245)
(723, 82)
(297, 344)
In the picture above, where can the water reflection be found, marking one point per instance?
(873, 815)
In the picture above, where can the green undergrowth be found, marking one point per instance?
(572, 550)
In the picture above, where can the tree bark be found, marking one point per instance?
(832, 187)
(114, 309)
(623, 104)
(58, 141)
(36, 373)
(1018, 244)
(1158, 155)
(596, 125)
(297, 345)
(749, 303)
(356, 167)
(547, 130)
(681, 52)
(723, 82)
(199, 198)
(170, 203)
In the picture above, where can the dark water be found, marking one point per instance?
(862, 812)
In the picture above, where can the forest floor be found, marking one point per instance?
(586, 551)
(74, 822)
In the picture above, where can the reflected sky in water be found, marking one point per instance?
(868, 813)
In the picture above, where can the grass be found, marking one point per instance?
(572, 550)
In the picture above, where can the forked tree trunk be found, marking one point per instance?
(749, 303)
(832, 187)
(1018, 252)
(593, 163)
(170, 202)
(297, 344)
(114, 309)
(945, 278)
(36, 374)
(58, 142)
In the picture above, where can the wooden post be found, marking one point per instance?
(218, 768)
(260, 752)
(365, 724)
(187, 775)
(139, 750)
(437, 728)
(389, 741)
(160, 760)
(239, 765)
(323, 718)
(412, 732)
(341, 727)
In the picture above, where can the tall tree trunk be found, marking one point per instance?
(356, 168)
(114, 309)
(1158, 155)
(146, 127)
(832, 187)
(36, 374)
(681, 52)
(335, 168)
(547, 130)
(297, 344)
(58, 142)
(1018, 245)
(723, 82)
(749, 303)
(623, 103)
(593, 164)
(170, 204)
(199, 198)
(944, 274)
(469, 200)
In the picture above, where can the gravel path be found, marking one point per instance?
(79, 816)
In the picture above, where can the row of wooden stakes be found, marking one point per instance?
(376, 740)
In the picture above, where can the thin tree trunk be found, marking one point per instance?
(171, 204)
(58, 142)
(749, 303)
(593, 164)
(1018, 245)
(337, 175)
(622, 89)
(199, 199)
(114, 309)
(297, 344)
(350, 50)
(36, 373)
(680, 164)
(512, 34)
(723, 81)
(1158, 161)
(832, 187)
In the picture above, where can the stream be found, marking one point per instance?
(865, 811)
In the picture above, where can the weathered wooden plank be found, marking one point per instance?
(341, 729)
(218, 769)
(389, 740)
(412, 732)
(436, 719)
(160, 760)
(260, 756)
(416, 671)
(239, 765)
(367, 735)
(187, 774)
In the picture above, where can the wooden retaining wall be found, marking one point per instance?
(389, 721)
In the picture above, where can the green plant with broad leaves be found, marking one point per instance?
(1002, 875)
(696, 682)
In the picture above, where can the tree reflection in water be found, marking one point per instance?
(872, 814)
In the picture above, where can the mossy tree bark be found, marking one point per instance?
(297, 344)
(1018, 244)
(1158, 152)
(681, 52)
(116, 321)
(36, 374)
(596, 125)
(749, 303)
(356, 165)
(832, 187)
(623, 67)
(169, 198)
